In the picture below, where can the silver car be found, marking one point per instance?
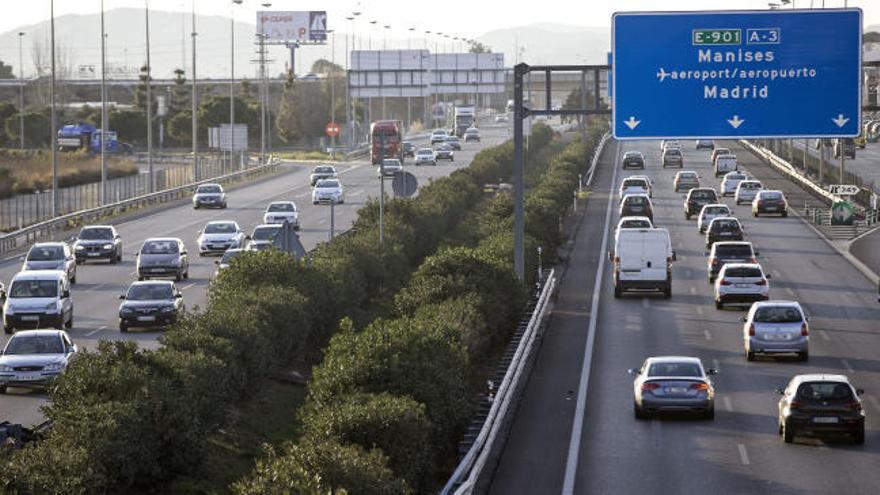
(328, 191)
(51, 256)
(674, 384)
(218, 236)
(426, 156)
(776, 327)
(746, 191)
(711, 212)
(162, 257)
(209, 195)
(390, 166)
(224, 262)
(34, 358)
(263, 236)
(730, 181)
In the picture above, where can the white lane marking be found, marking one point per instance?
(574, 445)
(187, 286)
(847, 365)
(707, 335)
(646, 303)
(693, 290)
(874, 402)
(93, 332)
(743, 455)
(321, 221)
(727, 404)
(657, 434)
(790, 292)
(700, 310)
(824, 335)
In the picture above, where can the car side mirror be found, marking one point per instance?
(247, 237)
(65, 294)
(757, 253)
(711, 371)
(122, 297)
(768, 276)
(674, 256)
(859, 391)
(217, 262)
(780, 391)
(632, 371)
(178, 296)
(183, 252)
(610, 255)
(743, 319)
(136, 253)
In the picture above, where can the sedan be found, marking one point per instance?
(35, 358)
(455, 142)
(741, 283)
(674, 384)
(162, 257)
(638, 205)
(438, 136)
(263, 237)
(730, 181)
(705, 143)
(472, 134)
(697, 198)
(672, 157)
(769, 201)
(282, 211)
(426, 156)
(710, 212)
(328, 191)
(819, 405)
(719, 151)
(209, 195)
(633, 159)
(218, 236)
(685, 180)
(746, 191)
(97, 242)
(723, 229)
(634, 185)
(445, 152)
(51, 256)
(390, 166)
(776, 327)
(224, 262)
(409, 149)
(150, 304)
(322, 172)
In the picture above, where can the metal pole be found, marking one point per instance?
(195, 105)
(263, 97)
(821, 160)
(381, 188)
(806, 146)
(518, 195)
(21, 91)
(103, 192)
(842, 158)
(232, 79)
(53, 128)
(332, 83)
(149, 103)
(332, 218)
(348, 121)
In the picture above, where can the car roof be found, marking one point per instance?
(268, 226)
(33, 333)
(731, 243)
(674, 359)
(724, 218)
(712, 205)
(324, 166)
(49, 244)
(39, 275)
(820, 377)
(162, 239)
(211, 184)
(98, 227)
(273, 203)
(766, 191)
(214, 222)
(686, 172)
(776, 302)
(741, 265)
(151, 282)
(636, 195)
(751, 180)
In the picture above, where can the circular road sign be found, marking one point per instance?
(332, 129)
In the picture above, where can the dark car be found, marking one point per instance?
(150, 304)
(472, 134)
(409, 149)
(163, 257)
(455, 142)
(672, 157)
(820, 405)
(723, 252)
(769, 201)
(697, 198)
(723, 229)
(445, 152)
(636, 205)
(98, 242)
(634, 159)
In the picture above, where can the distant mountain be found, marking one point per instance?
(551, 44)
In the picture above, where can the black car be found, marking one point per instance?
(445, 152)
(697, 198)
(150, 304)
(455, 142)
(723, 229)
(637, 205)
(634, 159)
(98, 242)
(820, 405)
(409, 149)
(723, 252)
(162, 257)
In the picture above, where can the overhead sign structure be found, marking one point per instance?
(291, 27)
(741, 74)
(844, 189)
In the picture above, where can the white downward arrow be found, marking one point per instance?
(735, 121)
(840, 121)
(632, 123)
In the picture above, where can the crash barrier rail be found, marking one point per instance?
(30, 234)
(596, 155)
(787, 169)
(476, 462)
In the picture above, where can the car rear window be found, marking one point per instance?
(717, 209)
(636, 200)
(209, 190)
(733, 250)
(635, 183)
(702, 194)
(771, 195)
(825, 391)
(750, 185)
(46, 253)
(675, 369)
(778, 314)
(743, 272)
(635, 224)
(673, 152)
(687, 176)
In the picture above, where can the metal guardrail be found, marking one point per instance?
(468, 471)
(787, 169)
(31, 233)
(596, 156)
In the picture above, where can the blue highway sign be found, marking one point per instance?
(755, 74)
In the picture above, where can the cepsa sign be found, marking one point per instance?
(292, 27)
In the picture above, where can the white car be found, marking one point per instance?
(632, 223)
(776, 327)
(38, 299)
(705, 143)
(730, 181)
(282, 211)
(328, 191)
(710, 212)
(209, 195)
(741, 283)
(391, 166)
(426, 156)
(218, 236)
(438, 136)
(746, 191)
(51, 256)
(35, 358)
(634, 185)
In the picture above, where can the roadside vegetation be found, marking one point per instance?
(29, 171)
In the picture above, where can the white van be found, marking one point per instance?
(642, 260)
(38, 299)
(724, 164)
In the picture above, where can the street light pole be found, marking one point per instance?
(232, 79)
(195, 105)
(332, 81)
(21, 91)
(103, 194)
(149, 103)
(53, 115)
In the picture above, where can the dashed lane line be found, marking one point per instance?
(93, 332)
(743, 454)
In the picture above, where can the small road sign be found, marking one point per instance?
(843, 189)
(332, 129)
(739, 74)
(404, 184)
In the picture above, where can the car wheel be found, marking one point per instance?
(224, 206)
(73, 278)
(750, 356)
(755, 214)
(178, 277)
(784, 214)
(186, 273)
(314, 202)
(638, 413)
(719, 304)
(859, 436)
(710, 414)
(617, 292)
(123, 327)
(8, 329)
(687, 216)
(787, 433)
(804, 356)
(195, 207)
(69, 323)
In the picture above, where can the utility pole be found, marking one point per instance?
(195, 119)
(53, 116)
(149, 102)
(262, 97)
(381, 188)
(232, 79)
(332, 82)
(103, 194)
(518, 183)
(21, 91)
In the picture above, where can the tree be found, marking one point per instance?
(871, 37)
(180, 94)
(6, 71)
(36, 129)
(246, 92)
(214, 112)
(7, 110)
(180, 126)
(477, 47)
(286, 122)
(130, 125)
(324, 66)
(140, 92)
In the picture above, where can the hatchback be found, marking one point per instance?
(209, 195)
(51, 256)
(741, 283)
(769, 201)
(730, 181)
(162, 257)
(35, 358)
(633, 159)
(746, 191)
(819, 405)
(672, 157)
(673, 384)
(685, 180)
(723, 229)
(725, 252)
(633, 185)
(710, 212)
(638, 205)
(776, 327)
(697, 198)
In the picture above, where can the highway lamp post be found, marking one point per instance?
(426, 99)
(21, 92)
(381, 187)
(332, 218)
(349, 128)
(265, 128)
(332, 82)
(409, 98)
(103, 193)
(194, 106)
(369, 113)
(53, 118)
(232, 81)
(381, 75)
(148, 84)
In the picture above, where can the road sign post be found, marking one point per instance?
(746, 74)
(332, 129)
(843, 189)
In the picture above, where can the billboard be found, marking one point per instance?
(286, 27)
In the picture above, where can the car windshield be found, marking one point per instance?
(391, 163)
(722, 151)
(724, 224)
(777, 314)
(743, 272)
(426, 152)
(750, 185)
(159, 247)
(220, 228)
(96, 234)
(632, 154)
(697, 194)
(229, 255)
(288, 207)
(736, 177)
(636, 200)
(149, 292)
(733, 250)
(209, 190)
(675, 369)
(323, 170)
(34, 344)
(635, 183)
(33, 288)
(673, 152)
(687, 176)
(46, 253)
(328, 184)
(635, 224)
(825, 391)
(265, 233)
(771, 195)
(444, 147)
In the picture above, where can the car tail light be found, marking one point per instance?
(752, 330)
(795, 404)
(761, 282)
(617, 259)
(854, 406)
(699, 386)
(649, 386)
(725, 282)
(752, 260)
(804, 330)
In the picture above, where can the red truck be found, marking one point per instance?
(386, 137)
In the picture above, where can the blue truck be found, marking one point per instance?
(72, 137)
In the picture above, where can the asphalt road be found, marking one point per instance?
(99, 284)
(740, 451)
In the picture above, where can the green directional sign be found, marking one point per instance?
(842, 213)
(717, 36)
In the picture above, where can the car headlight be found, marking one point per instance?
(108, 246)
(52, 307)
(168, 309)
(53, 367)
(126, 310)
(9, 310)
(5, 367)
(79, 247)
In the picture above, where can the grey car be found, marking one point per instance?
(51, 256)
(673, 384)
(97, 242)
(163, 257)
(776, 327)
(209, 195)
(263, 237)
(34, 358)
(150, 304)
